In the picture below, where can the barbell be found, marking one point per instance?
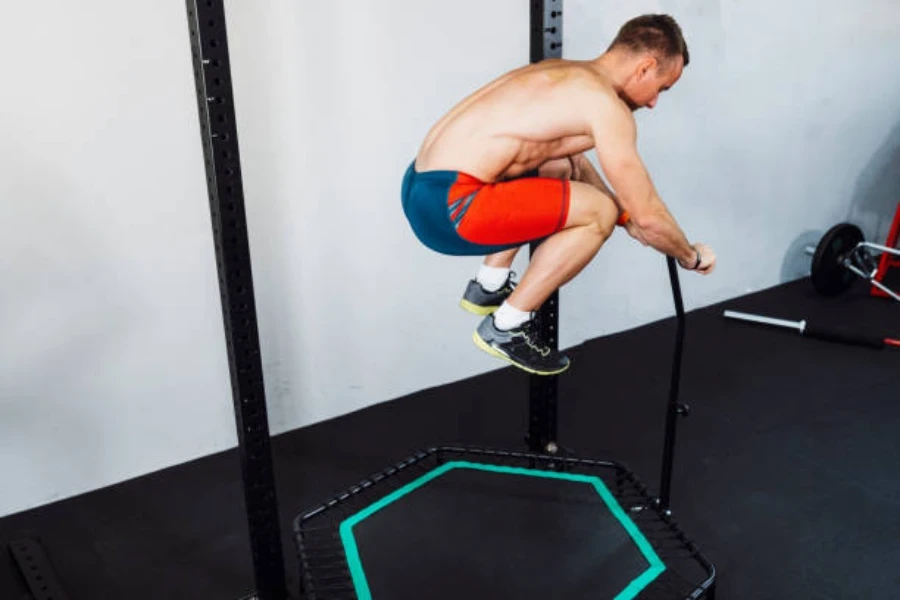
(843, 255)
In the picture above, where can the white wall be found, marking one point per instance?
(112, 358)
(111, 346)
(112, 361)
(353, 310)
(764, 139)
(785, 122)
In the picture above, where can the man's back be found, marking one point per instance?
(519, 121)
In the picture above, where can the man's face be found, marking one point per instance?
(649, 80)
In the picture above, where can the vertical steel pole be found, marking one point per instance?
(546, 42)
(215, 101)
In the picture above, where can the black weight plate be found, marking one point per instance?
(829, 277)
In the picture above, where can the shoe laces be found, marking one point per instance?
(509, 284)
(533, 340)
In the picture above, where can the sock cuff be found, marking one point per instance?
(492, 278)
(509, 317)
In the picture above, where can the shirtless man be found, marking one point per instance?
(472, 189)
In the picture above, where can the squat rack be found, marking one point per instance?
(215, 103)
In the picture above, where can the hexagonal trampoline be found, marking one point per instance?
(456, 522)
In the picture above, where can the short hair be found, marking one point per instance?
(659, 34)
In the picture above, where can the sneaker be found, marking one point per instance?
(479, 301)
(520, 346)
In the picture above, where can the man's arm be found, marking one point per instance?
(615, 136)
(583, 170)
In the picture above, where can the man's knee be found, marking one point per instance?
(589, 207)
(603, 224)
(558, 168)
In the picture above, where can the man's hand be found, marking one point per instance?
(707, 260)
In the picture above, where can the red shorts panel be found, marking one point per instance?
(508, 212)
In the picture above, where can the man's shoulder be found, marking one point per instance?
(594, 91)
(585, 80)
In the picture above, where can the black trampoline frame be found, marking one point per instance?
(325, 571)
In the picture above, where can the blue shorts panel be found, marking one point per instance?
(425, 203)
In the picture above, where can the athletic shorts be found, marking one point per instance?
(455, 213)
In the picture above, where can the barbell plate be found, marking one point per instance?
(828, 275)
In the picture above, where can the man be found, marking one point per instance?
(469, 191)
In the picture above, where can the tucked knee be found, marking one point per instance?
(589, 207)
(560, 168)
(603, 221)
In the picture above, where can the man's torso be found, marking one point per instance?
(517, 122)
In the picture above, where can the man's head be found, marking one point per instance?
(653, 53)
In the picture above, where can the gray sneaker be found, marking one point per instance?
(520, 346)
(479, 301)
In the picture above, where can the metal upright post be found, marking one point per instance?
(546, 42)
(212, 73)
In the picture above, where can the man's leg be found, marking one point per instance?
(501, 260)
(591, 220)
(493, 284)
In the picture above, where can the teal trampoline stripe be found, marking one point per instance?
(656, 564)
(354, 562)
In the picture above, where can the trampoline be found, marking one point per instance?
(448, 521)
(458, 522)
(463, 522)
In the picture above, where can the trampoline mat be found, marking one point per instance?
(467, 530)
(455, 522)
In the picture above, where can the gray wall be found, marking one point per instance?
(112, 358)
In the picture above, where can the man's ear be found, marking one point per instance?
(647, 65)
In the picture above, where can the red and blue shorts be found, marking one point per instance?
(454, 213)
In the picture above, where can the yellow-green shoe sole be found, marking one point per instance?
(475, 309)
(493, 352)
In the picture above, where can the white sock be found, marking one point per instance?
(507, 317)
(492, 278)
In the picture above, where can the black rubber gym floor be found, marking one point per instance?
(787, 472)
